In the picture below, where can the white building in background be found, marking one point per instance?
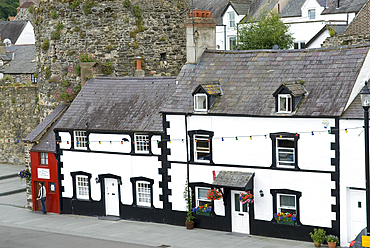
(310, 20)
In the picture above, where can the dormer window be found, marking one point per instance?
(205, 95)
(288, 96)
(200, 102)
(285, 103)
(311, 14)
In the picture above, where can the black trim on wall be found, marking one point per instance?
(294, 136)
(166, 178)
(80, 173)
(192, 149)
(275, 192)
(58, 153)
(335, 176)
(133, 181)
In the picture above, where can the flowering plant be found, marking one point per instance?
(66, 93)
(214, 194)
(246, 198)
(85, 57)
(25, 173)
(203, 209)
(285, 217)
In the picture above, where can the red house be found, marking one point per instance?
(44, 166)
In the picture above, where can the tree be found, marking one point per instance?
(8, 8)
(265, 33)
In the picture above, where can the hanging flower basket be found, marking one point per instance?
(214, 195)
(246, 198)
(203, 210)
(25, 173)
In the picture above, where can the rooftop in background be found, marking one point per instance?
(119, 104)
(23, 62)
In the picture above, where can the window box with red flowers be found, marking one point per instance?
(286, 218)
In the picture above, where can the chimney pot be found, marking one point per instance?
(138, 63)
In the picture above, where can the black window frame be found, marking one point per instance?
(192, 134)
(276, 192)
(283, 135)
(134, 181)
(74, 183)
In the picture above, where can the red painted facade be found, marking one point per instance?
(47, 173)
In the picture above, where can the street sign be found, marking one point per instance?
(365, 241)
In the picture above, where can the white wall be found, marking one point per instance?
(352, 169)
(125, 166)
(27, 37)
(314, 154)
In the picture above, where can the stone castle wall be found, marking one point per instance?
(114, 31)
(18, 117)
(345, 39)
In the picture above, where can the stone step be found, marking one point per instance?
(8, 176)
(12, 185)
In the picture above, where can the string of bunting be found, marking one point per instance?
(124, 140)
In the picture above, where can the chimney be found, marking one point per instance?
(18, 9)
(87, 71)
(139, 72)
(200, 34)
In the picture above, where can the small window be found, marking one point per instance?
(231, 19)
(17, 79)
(143, 190)
(232, 41)
(287, 204)
(285, 151)
(44, 158)
(299, 45)
(142, 143)
(80, 139)
(285, 103)
(82, 186)
(51, 187)
(311, 14)
(33, 79)
(202, 148)
(200, 102)
(201, 196)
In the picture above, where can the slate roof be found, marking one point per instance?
(241, 7)
(234, 179)
(346, 6)
(44, 131)
(211, 89)
(258, 7)
(119, 104)
(292, 8)
(12, 30)
(249, 78)
(296, 88)
(23, 62)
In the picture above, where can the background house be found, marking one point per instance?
(17, 32)
(310, 20)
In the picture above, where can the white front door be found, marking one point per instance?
(357, 213)
(111, 197)
(239, 214)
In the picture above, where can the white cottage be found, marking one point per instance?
(285, 125)
(109, 150)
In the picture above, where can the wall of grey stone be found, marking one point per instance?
(18, 117)
(344, 39)
(109, 30)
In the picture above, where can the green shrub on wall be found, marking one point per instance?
(45, 45)
(54, 14)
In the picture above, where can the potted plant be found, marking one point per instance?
(214, 195)
(332, 241)
(246, 198)
(318, 236)
(189, 222)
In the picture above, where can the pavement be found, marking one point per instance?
(15, 215)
